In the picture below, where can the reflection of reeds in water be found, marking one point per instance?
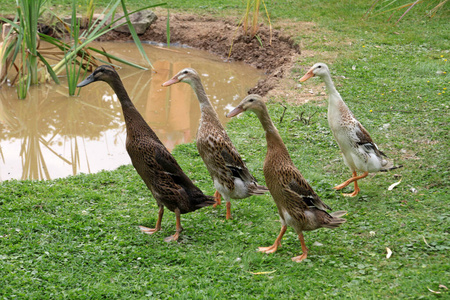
(50, 120)
(52, 130)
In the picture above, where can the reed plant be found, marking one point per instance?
(29, 11)
(252, 13)
(73, 70)
(23, 38)
(253, 8)
(168, 29)
(21, 43)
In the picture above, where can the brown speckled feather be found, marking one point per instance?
(231, 176)
(219, 154)
(298, 205)
(287, 185)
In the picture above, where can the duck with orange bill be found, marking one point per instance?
(298, 205)
(231, 177)
(358, 149)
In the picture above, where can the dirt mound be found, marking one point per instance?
(274, 54)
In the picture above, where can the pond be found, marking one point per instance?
(51, 135)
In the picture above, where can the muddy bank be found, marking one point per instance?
(273, 53)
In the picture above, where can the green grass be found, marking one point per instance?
(77, 237)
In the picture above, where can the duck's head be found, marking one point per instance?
(186, 75)
(103, 73)
(319, 69)
(252, 103)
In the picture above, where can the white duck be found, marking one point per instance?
(358, 149)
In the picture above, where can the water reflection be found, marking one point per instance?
(51, 135)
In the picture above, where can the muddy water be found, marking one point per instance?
(51, 135)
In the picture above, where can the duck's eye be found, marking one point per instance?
(251, 100)
(185, 72)
(319, 67)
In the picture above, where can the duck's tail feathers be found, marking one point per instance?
(338, 214)
(390, 167)
(201, 200)
(336, 219)
(259, 190)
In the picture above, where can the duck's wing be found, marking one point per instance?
(235, 164)
(365, 141)
(171, 167)
(298, 190)
(167, 181)
(220, 156)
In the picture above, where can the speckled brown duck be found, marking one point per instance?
(157, 167)
(298, 205)
(230, 175)
(358, 149)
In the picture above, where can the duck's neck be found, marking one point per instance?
(208, 113)
(133, 119)
(335, 103)
(331, 89)
(275, 145)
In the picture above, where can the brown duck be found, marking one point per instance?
(230, 175)
(153, 162)
(298, 205)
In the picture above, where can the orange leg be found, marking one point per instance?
(276, 244)
(353, 179)
(304, 249)
(228, 210)
(158, 223)
(217, 198)
(178, 230)
(355, 192)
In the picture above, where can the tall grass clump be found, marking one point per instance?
(21, 43)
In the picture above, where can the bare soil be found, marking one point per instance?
(273, 52)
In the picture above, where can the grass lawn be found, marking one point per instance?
(78, 238)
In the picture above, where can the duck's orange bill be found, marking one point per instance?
(235, 112)
(307, 76)
(171, 81)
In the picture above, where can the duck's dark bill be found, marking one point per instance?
(85, 82)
